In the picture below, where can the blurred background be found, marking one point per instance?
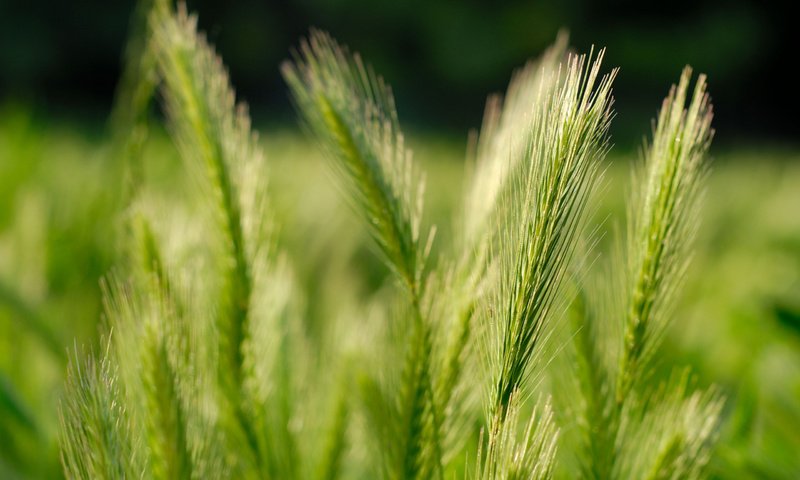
(62, 212)
(441, 57)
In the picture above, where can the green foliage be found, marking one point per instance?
(538, 162)
(240, 342)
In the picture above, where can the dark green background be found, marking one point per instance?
(442, 57)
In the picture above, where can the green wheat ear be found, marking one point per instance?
(542, 192)
(664, 222)
(661, 232)
(214, 136)
(496, 152)
(352, 112)
(150, 351)
(633, 428)
(200, 105)
(542, 214)
(166, 414)
(503, 140)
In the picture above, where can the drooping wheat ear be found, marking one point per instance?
(214, 134)
(509, 457)
(542, 213)
(664, 222)
(201, 109)
(352, 112)
(96, 436)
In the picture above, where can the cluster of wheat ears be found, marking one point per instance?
(504, 357)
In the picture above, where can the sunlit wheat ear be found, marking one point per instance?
(214, 136)
(499, 148)
(504, 138)
(542, 213)
(663, 222)
(352, 112)
(213, 133)
(198, 100)
(509, 455)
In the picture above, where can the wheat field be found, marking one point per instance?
(186, 295)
